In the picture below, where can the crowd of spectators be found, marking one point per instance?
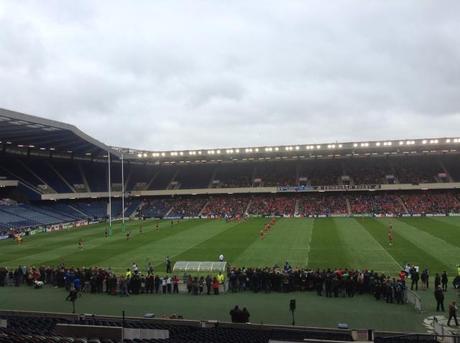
(226, 207)
(330, 282)
(429, 202)
(322, 204)
(187, 207)
(305, 204)
(156, 207)
(101, 280)
(377, 204)
(275, 205)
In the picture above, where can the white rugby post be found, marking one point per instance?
(122, 193)
(110, 194)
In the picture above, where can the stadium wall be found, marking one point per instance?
(256, 190)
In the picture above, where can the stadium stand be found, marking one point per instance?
(225, 206)
(24, 327)
(322, 204)
(187, 207)
(274, 205)
(44, 176)
(62, 176)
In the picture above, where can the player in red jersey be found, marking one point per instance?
(390, 235)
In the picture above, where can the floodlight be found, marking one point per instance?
(237, 150)
(355, 145)
(424, 141)
(318, 147)
(52, 149)
(340, 145)
(448, 140)
(401, 142)
(163, 154)
(377, 144)
(276, 148)
(218, 151)
(20, 146)
(145, 154)
(31, 146)
(256, 149)
(297, 148)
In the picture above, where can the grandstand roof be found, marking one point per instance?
(19, 131)
(302, 151)
(25, 133)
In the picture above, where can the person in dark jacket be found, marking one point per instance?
(415, 276)
(208, 284)
(444, 281)
(245, 315)
(235, 314)
(72, 297)
(439, 296)
(452, 313)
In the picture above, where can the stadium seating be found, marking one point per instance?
(225, 206)
(187, 207)
(276, 205)
(378, 204)
(23, 329)
(430, 202)
(322, 204)
(66, 176)
(155, 208)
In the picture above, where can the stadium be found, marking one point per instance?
(229, 171)
(270, 219)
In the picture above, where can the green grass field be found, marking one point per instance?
(322, 243)
(316, 243)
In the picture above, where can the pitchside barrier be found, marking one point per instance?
(412, 298)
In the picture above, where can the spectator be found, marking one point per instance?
(235, 314)
(439, 296)
(245, 315)
(452, 313)
(444, 281)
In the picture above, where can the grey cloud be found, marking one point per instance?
(187, 74)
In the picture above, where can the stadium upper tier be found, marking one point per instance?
(47, 158)
(38, 176)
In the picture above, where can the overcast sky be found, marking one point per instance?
(201, 74)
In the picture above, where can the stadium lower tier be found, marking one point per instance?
(15, 215)
(22, 327)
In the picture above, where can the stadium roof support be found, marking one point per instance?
(30, 133)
